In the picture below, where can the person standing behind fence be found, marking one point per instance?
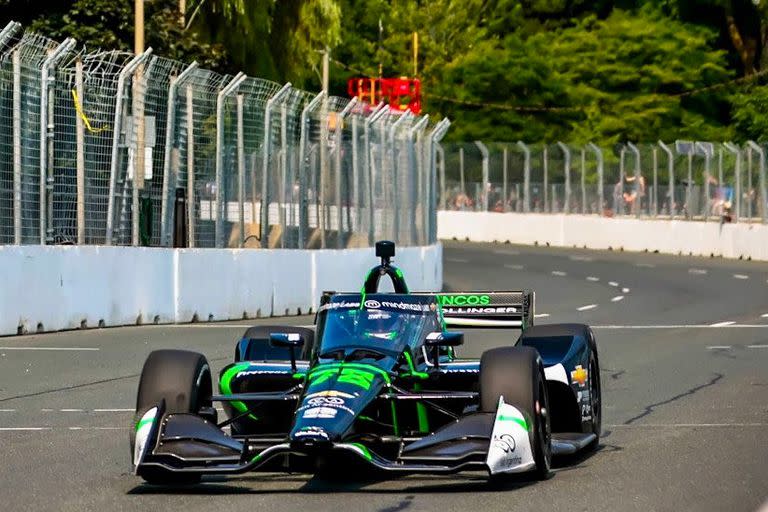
(629, 193)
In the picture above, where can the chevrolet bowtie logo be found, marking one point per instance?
(579, 375)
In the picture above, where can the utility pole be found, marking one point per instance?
(183, 13)
(415, 54)
(326, 58)
(138, 41)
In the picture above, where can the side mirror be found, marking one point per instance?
(292, 340)
(444, 339)
(286, 339)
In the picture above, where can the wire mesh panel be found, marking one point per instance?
(143, 150)
(194, 150)
(20, 171)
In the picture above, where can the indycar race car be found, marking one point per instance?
(377, 381)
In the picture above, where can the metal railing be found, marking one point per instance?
(689, 180)
(106, 147)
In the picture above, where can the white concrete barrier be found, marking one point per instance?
(630, 234)
(49, 288)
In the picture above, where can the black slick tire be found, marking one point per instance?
(181, 378)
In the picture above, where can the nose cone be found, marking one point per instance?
(334, 398)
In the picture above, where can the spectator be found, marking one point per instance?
(628, 193)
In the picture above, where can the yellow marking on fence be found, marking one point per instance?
(81, 113)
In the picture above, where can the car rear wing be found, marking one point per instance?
(481, 309)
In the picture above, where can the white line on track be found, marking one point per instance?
(625, 290)
(541, 315)
(740, 276)
(617, 298)
(764, 315)
(613, 283)
(683, 326)
(723, 324)
(457, 260)
(7, 410)
(757, 346)
(508, 252)
(71, 410)
(514, 267)
(581, 258)
(23, 429)
(559, 273)
(593, 279)
(719, 347)
(645, 265)
(587, 307)
(699, 271)
(691, 425)
(76, 349)
(113, 410)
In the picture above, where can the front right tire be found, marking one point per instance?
(517, 374)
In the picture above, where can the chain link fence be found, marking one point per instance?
(111, 148)
(691, 180)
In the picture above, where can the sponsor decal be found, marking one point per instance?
(326, 400)
(312, 432)
(464, 300)
(353, 376)
(510, 449)
(579, 376)
(339, 305)
(499, 310)
(287, 371)
(372, 304)
(320, 413)
(331, 392)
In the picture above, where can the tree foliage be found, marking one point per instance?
(539, 70)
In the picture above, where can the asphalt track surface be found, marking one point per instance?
(684, 349)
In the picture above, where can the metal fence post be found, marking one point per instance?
(655, 194)
(221, 98)
(8, 32)
(337, 167)
(425, 185)
(461, 171)
(395, 178)
(80, 157)
(737, 171)
(762, 210)
(166, 213)
(567, 171)
(583, 181)
(116, 131)
(708, 150)
(486, 180)
(526, 176)
(374, 117)
(638, 199)
(17, 212)
(190, 167)
(600, 177)
(504, 165)
(438, 132)
(356, 174)
(440, 152)
(671, 170)
(545, 164)
(46, 138)
(304, 170)
(240, 169)
(264, 228)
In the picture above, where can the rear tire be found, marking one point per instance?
(183, 380)
(517, 374)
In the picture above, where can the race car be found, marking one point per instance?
(377, 381)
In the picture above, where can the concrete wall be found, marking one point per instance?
(50, 288)
(664, 236)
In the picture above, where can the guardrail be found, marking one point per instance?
(110, 148)
(685, 180)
